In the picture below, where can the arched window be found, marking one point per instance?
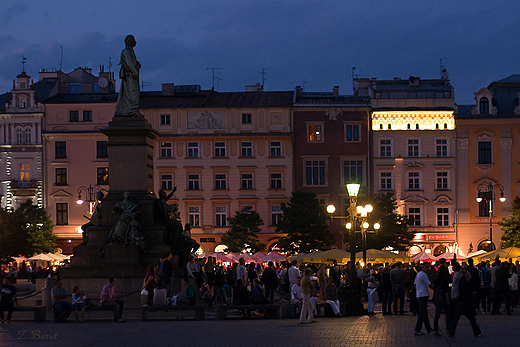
(484, 106)
(414, 250)
(439, 250)
(23, 103)
(27, 135)
(19, 135)
(486, 245)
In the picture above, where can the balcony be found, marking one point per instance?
(24, 188)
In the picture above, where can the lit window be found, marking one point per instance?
(194, 216)
(166, 150)
(315, 134)
(24, 172)
(102, 176)
(61, 177)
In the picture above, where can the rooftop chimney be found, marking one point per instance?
(298, 91)
(336, 91)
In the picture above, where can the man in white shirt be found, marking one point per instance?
(421, 286)
(241, 271)
(294, 273)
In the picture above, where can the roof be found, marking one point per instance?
(515, 78)
(329, 98)
(213, 99)
(404, 85)
(2, 101)
(82, 98)
(44, 88)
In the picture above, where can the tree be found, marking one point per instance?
(511, 226)
(394, 226)
(25, 231)
(304, 222)
(245, 226)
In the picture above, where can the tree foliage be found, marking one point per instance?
(25, 231)
(394, 226)
(511, 226)
(304, 222)
(245, 226)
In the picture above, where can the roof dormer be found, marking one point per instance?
(485, 104)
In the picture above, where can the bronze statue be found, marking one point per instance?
(95, 219)
(119, 233)
(128, 99)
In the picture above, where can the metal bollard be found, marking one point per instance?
(46, 293)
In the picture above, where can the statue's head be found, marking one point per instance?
(130, 40)
(100, 195)
(126, 194)
(162, 194)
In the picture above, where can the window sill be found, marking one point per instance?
(192, 157)
(276, 189)
(276, 157)
(246, 157)
(220, 190)
(220, 158)
(165, 158)
(443, 190)
(414, 190)
(247, 190)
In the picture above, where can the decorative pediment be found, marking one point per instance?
(485, 95)
(485, 135)
(61, 194)
(414, 166)
(414, 199)
(443, 199)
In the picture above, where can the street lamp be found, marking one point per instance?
(363, 212)
(490, 188)
(90, 195)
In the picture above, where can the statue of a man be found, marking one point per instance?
(128, 99)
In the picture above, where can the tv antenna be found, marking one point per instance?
(263, 73)
(303, 84)
(109, 64)
(24, 60)
(213, 70)
(145, 84)
(353, 68)
(61, 58)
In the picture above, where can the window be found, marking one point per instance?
(193, 149)
(75, 88)
(28, 135)
(165, 119)
(484, 106)
(220, 149)
(386, 180)
(247, 181)
(247, 149)
(62, 214)
(102, 149)
(87, 116)
(246, 118)
(276, 181)
(19, 135)
(484, 152)
(166, 149)
(167, 182)
(220, 182)
(102, 176)
(483, 206)
(414, 216)
(193, 182)
(385, 148)
(61, 176)
(315, 172)
(74, 116)
(60, 149)
(276, 149)
(413, 181)
(442, 147)
(442, 180)
(353, 171)
(23, 103)
(315, 134)
(220, 216)
(96, 87)
(352, 132)
(276, 215)
(194, 216)
(443, 217)
(24, 172)
(413, 147)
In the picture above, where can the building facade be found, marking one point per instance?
(414, 156)
(332, 147)
(488, 153)
(222, 152)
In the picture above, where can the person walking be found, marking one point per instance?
(7, 300)
(440, 299)
(421, 284)
(306, 315)
(398, 279)
(386, 291)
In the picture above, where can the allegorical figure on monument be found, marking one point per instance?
(95, 219)
(120, 233)
(128, 99)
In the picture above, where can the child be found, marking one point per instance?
(78, 303)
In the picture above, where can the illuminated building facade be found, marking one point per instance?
(413, 130)
(488, 152)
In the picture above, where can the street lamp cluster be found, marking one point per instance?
(490, 200)
(90, 195)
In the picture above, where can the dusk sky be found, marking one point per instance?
(319, 41)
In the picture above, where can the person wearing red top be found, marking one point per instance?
(150, 283)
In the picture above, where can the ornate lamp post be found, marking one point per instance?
(90, 195)
(490, 200)
(363, 212)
